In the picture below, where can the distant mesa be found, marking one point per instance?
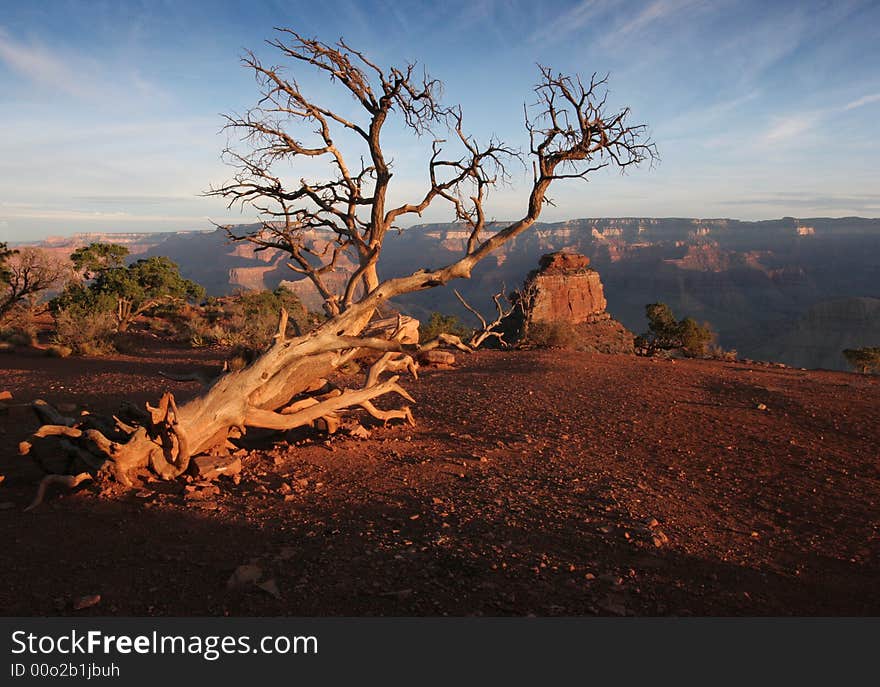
(755, 282)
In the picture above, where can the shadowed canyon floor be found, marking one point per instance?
(546, 483)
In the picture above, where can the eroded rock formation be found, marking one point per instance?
(566, 294)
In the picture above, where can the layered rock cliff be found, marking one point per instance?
(565, 292)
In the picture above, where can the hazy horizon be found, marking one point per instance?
(70, 234)
(759, 111)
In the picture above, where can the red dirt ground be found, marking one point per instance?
(524, 489)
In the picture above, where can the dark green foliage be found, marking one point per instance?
(443, 324)
(865, 360)
(127, 291)
(552, 335)
(665, 333)
(248, 320)
(97, 257)
(5, 254)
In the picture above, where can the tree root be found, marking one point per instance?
(284, 388)
(67, 481)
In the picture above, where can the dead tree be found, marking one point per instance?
(488, 330)
(571, 135)
(28, 273)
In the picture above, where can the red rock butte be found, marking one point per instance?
(566, 290)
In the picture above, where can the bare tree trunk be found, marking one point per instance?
(570, 136)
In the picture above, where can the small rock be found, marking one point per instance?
(652, 523)
(86, 601)
(201, 492)
(244, 575)
(211, 467)
(761, 406)
(270, 587)
(659, 538)
(285, 489)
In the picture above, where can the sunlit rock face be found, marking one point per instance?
(565, 291)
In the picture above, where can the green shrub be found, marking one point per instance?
(246, 321)
(85, 332)
(439, 323)
(58, 351)
(552, 335)
(142, 287)
(666, 333)
(865, 360)
(20, 326)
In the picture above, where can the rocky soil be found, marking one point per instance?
(545, 483)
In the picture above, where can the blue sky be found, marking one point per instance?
(111, 110)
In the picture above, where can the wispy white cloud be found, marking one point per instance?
(657, 11)
(75, 74)
(861, 102)
(572, 21)
(789, 127)
(40, 65)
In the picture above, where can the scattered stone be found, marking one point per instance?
(659, 538)
(5, 396)
(87, 601)
(211, 467)
(761, 406)
(285, 489)
(201, 492)
(652, 523)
